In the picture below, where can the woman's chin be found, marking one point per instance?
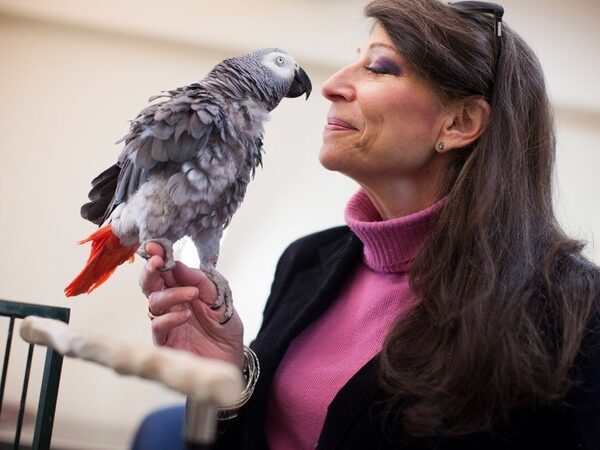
(329, 158)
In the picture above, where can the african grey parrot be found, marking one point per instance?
(185, 166)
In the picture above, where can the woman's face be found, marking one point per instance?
(384, 119)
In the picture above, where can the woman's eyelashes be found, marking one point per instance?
(383, 66)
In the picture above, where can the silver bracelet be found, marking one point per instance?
(251, 373)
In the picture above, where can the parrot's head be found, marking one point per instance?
(272, 74)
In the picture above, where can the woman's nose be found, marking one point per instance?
(339, 86)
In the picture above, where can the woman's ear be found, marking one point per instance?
(467, 119)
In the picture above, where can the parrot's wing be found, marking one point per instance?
(101, 195)
(164, 135)
(173, 130)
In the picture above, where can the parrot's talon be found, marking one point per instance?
(226, 318)
(220, 301)
(167, 247)
(142, 253)
(168, 266)
(224, 296)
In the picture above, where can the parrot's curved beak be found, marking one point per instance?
(300, 85)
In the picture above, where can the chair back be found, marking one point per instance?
(15, 311)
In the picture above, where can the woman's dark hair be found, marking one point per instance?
(506, 295)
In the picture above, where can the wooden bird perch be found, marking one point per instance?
(207, 382)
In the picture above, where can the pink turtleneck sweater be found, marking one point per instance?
(320, 361)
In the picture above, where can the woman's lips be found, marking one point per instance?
(336, 124)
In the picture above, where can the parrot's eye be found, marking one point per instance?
(280, 60)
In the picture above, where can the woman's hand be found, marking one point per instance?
(181, 299)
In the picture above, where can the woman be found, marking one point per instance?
(452, 312)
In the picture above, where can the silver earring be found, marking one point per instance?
(440, 145)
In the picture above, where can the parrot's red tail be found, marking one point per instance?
(107, 253)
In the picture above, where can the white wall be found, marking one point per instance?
(72, 73)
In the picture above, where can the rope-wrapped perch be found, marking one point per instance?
(206, 382)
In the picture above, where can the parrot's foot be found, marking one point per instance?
(224, 296)
(167, 246)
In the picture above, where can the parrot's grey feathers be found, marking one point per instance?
(136, 178)
(162, 130)
(159, 150)
(101, 194)
(109, 174)
(200, 128)
(176, 187)
(103, 190)
(162, 114)
(122, 188)
(259, 144)
(188, 158)
(143, 156)
(196, 176)
(130, 148)
(94, 211)
(163, 94)
(153, 140)
(181, 127)
(113, 187)
(184, 151)
(200, 144)
(204, 116)
(130, 180)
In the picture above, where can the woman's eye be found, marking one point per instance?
(383, 66)
(378, 70)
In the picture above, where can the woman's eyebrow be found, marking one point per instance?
(384, 45)
(378, 45)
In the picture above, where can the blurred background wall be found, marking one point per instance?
(73, 72)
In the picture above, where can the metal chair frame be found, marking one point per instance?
(50, 378)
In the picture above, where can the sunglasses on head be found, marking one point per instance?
(484, 7)
(497, 11)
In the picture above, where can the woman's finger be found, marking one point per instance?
(207, 290)
(164, 324)
(155, 264)
(150, 279)
(153, 279)
(159, 302)
(152, 269)
(206, 316)
(154, 249)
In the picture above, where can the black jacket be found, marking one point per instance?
(307, 280)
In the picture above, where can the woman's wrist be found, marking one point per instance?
(251, 370)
